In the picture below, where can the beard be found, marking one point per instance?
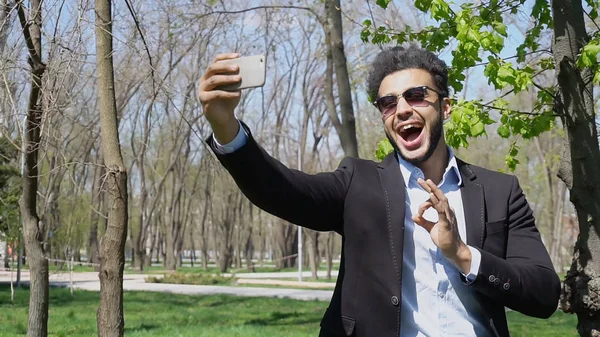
(437, 128)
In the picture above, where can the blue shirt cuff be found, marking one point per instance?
(240, 140)
(475, 263)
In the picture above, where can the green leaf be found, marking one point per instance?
(365, 34)
(500, 28)
(383, 3)
(384, 148)
(440, 10)
(477, 129)
(510, 159)
(423, 5)
(503, 131)
(511, 162)
(589, 55)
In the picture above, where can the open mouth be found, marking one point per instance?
(411, 136)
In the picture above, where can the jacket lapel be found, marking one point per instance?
(473, 204)
(395, 201)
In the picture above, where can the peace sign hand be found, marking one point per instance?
(444, 233)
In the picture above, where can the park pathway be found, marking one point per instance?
(136, 282)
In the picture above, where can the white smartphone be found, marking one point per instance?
(253, 70)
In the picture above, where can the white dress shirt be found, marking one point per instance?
(435, 301)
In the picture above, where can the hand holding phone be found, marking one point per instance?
(252, 70)
(219, 105)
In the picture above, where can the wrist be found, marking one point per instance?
(225, 132)
(462, 258)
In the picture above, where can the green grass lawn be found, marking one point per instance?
(158, 314)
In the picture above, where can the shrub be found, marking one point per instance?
(191, 278)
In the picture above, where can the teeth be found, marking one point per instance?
(409, 126)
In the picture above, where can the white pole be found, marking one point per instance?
(12, 270)
(20, 246)
(299, 228)
(71, 275)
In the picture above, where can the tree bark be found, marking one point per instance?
(4, 24)
(313, 252)
(112, 244)
(329, 253)
(203, 223)
(286, 240)
(33, 228)
(557, 230)
(347, 132)
(97, 216)
(579, 164)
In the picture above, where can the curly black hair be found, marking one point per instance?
(399, 58)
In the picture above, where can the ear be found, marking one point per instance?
(446, 108)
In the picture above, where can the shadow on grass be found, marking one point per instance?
(226, 300)
(278, 318)
(144, 327)
(164, 314)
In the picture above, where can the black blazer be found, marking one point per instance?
(364, 202)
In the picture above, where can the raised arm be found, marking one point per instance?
(313, 201)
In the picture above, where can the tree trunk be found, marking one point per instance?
(96, 215)
(203, 223)
(170, 261)
(112, 244)
(286, 239)
(33, 228)
(249, 244)
(313, 252)
(152, 242)
(579, 164)
(5, 9)
(329, 253)
(335, 46)
(557, 230)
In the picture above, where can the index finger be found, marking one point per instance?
(226, 56)
(424, 184)
(429, 186)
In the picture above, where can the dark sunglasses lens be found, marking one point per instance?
(386, 102)
(414, 95)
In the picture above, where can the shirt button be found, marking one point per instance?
(492, 278)
(395, 301)
(506, 286)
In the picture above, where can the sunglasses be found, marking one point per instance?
(413, 96)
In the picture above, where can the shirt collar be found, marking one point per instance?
(409, 170)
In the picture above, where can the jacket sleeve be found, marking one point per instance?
(525, 281)
(312, 201)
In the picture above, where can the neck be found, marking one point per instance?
(434, 167)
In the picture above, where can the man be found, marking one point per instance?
(432, 246)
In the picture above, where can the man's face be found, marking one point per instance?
(414, 125)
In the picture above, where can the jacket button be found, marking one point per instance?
(492, 278)
(497, 281)
(395, 301)
(506, 286)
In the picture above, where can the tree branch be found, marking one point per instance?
(260, 7)
(589, 17)
(137, 25)
(36, 59)
(514, 111)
